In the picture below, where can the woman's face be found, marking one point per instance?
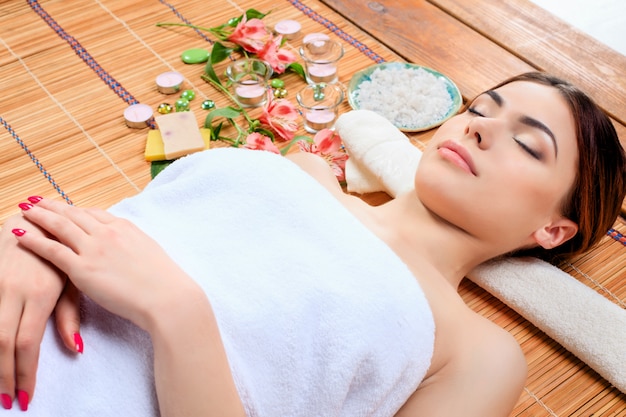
(502, 169)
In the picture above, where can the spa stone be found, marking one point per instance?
(195, 56)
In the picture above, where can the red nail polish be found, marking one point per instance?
(18, 232)
(22, 399)
(7, 401)
(25, 206)
(79, 342)
(35, 199)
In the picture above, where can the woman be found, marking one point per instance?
(531, 165)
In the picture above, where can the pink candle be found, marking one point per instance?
(169, 82)
(318, 119)
(322, 73)
(137, 115)
(290, 29)
(250, 94)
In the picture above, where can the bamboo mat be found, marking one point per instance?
(68, 73)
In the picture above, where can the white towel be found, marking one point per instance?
(581, 320)
(318, 316)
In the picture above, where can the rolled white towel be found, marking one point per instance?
(381, 157)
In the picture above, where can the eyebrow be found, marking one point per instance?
(527, 120)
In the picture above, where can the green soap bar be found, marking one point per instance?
(195, 56)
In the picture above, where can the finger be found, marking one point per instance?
(27, 346)
(81, 217)
(60, 255)
(67, 315)
(54, 223)
(10, 314)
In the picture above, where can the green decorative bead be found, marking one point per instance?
(195, 56)
(318, 92)
(164, 108)
(188, 95)
(277, 83)
(208, 104)
(182, 104)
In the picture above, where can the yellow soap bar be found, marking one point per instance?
(180, 134)
(155, 150)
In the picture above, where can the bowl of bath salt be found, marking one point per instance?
(414, 98)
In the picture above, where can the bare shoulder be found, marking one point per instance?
(318, 168)
(484, 376)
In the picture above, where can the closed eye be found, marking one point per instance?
(475, 112)
(532, 152)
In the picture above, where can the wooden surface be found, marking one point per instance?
(71, 121)
(478, 43)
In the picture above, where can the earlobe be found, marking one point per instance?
(555, 233)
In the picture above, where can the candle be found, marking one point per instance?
(315, 37)
(290, 29)
(138, 115)
(317, 43)
(169, 82)
(250, 94)
(318, 119)
(322, 73)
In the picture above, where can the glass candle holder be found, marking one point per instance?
(321, 57)
(320, 105)
(248, 78)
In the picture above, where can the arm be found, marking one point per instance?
(485, 380)
(128, 273)
(29, 291)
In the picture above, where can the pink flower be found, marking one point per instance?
(327, 144)
(281, 115)
(277, 57)
(257, 141)
(251, 35)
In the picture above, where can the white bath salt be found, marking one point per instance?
(408, 97)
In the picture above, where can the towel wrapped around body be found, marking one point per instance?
(318, 316)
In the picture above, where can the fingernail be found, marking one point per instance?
(79, 342)
(35, 199)
(22, 399)
(18, 232)
(25, 206)
(7, 401)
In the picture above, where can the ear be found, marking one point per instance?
(557, 232)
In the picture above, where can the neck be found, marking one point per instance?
(444, 249)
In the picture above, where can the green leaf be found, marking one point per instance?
(255, 14)
(216, 131)
(157, 166)
(297, 68)
(265, 132)
(227, 112)
(219, 53)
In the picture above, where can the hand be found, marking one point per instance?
(109, 259)
(29, 291)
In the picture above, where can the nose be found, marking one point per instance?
(482, 130)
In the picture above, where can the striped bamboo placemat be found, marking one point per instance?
(68, 73)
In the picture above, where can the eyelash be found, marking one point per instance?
(530, 151)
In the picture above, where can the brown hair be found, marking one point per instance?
(599, 188)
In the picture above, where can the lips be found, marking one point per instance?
(457, 155)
